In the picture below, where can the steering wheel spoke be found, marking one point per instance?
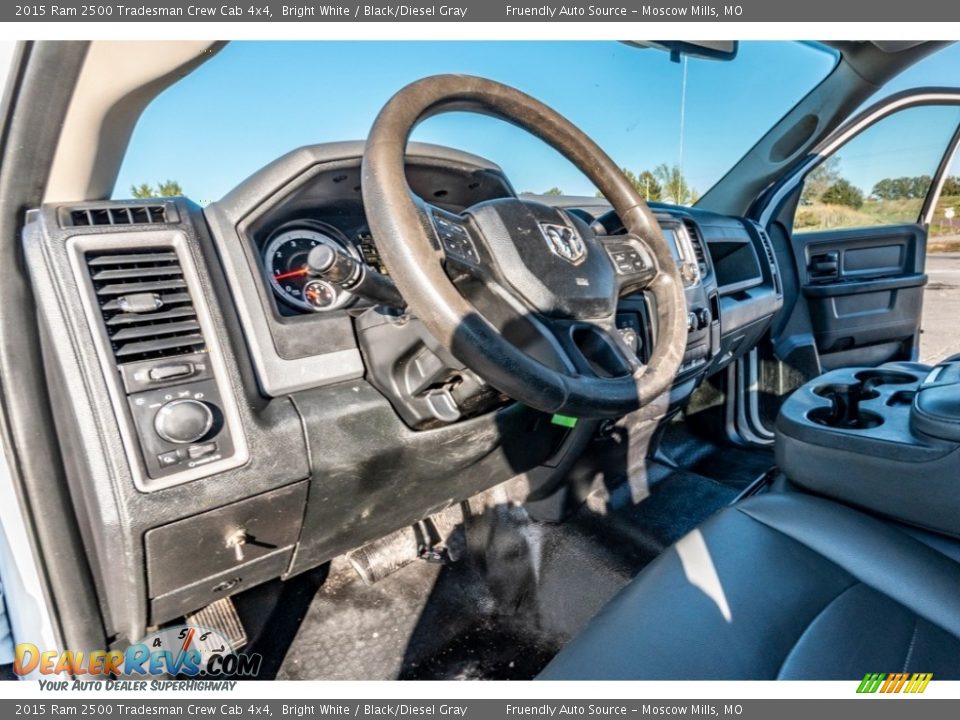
(593, 349)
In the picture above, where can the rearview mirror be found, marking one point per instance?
(706, 49)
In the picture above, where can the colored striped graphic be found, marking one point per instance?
(894, 682)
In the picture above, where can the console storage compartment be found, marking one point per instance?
(936, 407)
(886, 439)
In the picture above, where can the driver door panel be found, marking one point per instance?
(864, 289)
(855, 218)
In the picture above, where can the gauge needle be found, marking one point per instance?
(292, 273)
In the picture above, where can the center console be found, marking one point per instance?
(886, 439)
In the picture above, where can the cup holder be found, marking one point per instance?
(872, 378)
(864, 419)
(844, 411)
(858, 389)
(901, 398)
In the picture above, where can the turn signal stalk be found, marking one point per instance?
(346, 272)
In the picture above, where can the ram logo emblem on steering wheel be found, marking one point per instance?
(564, 242)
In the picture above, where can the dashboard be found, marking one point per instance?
(216, 393)
(728, 268)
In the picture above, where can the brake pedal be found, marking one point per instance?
(221, 616)
(433, 540)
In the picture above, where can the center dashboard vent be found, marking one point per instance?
(145, 304)
(119, 215)
(697, 241)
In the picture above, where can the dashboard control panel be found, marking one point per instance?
(176, 408)
(161, 356)
(180, 427)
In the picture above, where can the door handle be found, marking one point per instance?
(825, 265)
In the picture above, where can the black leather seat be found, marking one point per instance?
(784, 586)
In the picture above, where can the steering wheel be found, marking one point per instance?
(523, 294)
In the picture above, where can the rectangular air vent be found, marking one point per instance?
(119, 215)
(145, 304)
(694, 232)
(771, 257)
(768, 248)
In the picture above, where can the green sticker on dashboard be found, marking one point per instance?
(564, 421)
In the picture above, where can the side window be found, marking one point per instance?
(944, 233)
(881, 176)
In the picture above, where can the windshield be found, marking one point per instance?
(677, 126)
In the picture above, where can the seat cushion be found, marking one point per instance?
(781, 586)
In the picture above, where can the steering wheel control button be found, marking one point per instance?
(183, 421)
(628, 260)
(456, 240)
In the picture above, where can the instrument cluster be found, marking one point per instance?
(285, 255)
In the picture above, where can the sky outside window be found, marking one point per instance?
(258, 100)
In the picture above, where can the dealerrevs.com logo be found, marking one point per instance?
(894, 683)
(181, 650)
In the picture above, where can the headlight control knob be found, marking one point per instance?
(183, 421)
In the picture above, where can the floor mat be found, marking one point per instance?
(726, 463)
(355, 631)
(677, 502)
(451, 622)
(502, 614)
(523, 588)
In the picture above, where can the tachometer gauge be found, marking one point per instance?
(285, 259)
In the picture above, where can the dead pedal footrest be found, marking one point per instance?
(220, 616)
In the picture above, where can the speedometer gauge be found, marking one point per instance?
(285, 259)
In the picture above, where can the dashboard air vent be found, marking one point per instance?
(145, 304)
(694, 232)
(119, 215)
(765, 239)
(771, 257)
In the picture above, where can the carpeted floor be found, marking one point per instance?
(728, 464)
